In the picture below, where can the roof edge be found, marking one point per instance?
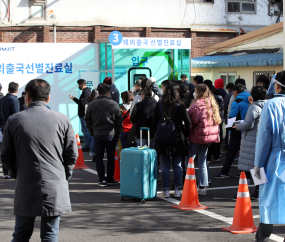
(245, 38)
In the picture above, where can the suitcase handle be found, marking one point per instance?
(148, 132)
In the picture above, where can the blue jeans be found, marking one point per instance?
(176, 165)
(92, 146)
(124, 139)
(108, 143)
(24, 227)
(145, 142)
(87, 136)
(200, 150)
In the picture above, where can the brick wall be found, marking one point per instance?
(200, 40)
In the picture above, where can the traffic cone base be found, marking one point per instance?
(189, 199)
(243, 219)
(235, 230)
(80, 164)
(190, 207)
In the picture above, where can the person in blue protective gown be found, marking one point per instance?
(270, 154)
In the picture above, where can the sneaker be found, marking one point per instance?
(102, 183)
(6, 177)
(254, 196)
(165, 194)
(86, 149)
(202, 191)
(177, 193)
(221, 176)
(112, 182)
(216, 160)
(234, 198)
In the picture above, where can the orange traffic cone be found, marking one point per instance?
(80, 164)
(117, 168)
(243, 218)
(190, 200)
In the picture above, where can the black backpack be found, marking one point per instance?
(166, 131)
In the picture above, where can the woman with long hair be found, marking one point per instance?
(93, 96)
(127, 98)
(205, 118)
(172, 110)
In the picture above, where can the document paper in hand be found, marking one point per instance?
(263, 178)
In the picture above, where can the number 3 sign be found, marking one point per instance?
(115, 38)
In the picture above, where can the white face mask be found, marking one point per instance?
(195, 95)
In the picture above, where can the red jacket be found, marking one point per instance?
(202, 131)
(127, 124)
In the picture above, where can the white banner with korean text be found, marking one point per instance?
(154, 43)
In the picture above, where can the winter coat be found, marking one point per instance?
(270, 154)
(182, 132)
(138, 99)
(9, 105)
(115, 94)
(142, 116)
(232, 98)
(226, 104)
(103, 117)
(85, 95)
(39, 149)
(185, 99)
(203, 131)
(127, 124)
(239, 109)
(1, 95)
(155, 88)
(249, 132)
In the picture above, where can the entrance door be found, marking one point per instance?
(135, 73)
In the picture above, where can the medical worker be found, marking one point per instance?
(270, 154)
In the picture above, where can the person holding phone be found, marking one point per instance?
(81, 102)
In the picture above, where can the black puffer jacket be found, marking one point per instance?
(183, 132)
(85, 95)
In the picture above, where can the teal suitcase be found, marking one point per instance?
(138, 169)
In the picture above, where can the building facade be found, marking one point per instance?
(207, 22)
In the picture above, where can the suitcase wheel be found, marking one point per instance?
(143, 201)
(122, 198)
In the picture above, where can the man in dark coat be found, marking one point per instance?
(114, 92)
(142, 116)
(22, 102)
(84, 97)
(39, 149)
(104, 121)
(9, 105)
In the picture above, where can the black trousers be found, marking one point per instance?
(263, 233)
(233, 149)
(214, 150)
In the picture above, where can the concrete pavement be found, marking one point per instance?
(99, 215)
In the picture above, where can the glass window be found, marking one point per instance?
(109, 57)
(37, 11)
(233, 7)
(228, 78)
(248, 7)
(185, 60)
(102, 56)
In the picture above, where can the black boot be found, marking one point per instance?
(263, 233)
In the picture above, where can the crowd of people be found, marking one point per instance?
(185, 121)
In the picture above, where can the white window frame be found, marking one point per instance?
(241, 2)
(269, 74)
(227, 74)
(37, 3)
